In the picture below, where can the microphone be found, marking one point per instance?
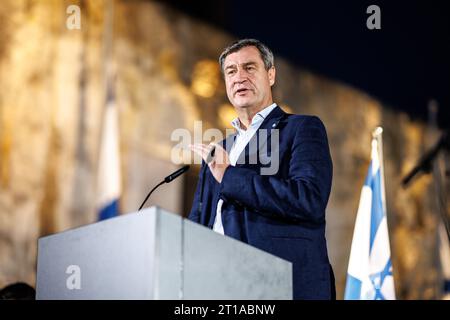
(202, 187)
(167, 179)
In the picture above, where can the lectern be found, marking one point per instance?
(155, 254)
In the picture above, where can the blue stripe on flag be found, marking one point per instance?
(368, 180)
(109, 211)
(377, 207)
(352, 288)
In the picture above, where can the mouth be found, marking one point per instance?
(241, 91)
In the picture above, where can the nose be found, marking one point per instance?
(240, 77)
(239, 80)
(241, 74)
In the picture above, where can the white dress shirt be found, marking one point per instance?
(242, 139)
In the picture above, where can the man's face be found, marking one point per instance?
(247, 81)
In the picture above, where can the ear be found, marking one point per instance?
(272, 72)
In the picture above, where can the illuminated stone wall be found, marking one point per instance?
(166, 77)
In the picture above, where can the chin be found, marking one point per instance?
(243, 103)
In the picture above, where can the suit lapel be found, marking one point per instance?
(271, 122)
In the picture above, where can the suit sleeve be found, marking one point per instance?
(194, 215)
(304, 194)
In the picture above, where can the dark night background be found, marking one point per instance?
(405, 64)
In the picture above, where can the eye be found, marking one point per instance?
(250, 68)
(231, 72)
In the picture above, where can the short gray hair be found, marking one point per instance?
(264, 51)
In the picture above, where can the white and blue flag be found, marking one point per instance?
(369, 274)
(109, 175)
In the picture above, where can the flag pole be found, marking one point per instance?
(377, 135)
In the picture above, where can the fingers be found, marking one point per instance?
(221, 155)
(203, 150)
(213, 154)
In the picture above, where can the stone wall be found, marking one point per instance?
(52, 96)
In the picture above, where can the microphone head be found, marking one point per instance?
(177, 173)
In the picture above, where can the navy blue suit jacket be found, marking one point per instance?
(282, 213)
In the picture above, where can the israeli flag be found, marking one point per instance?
(370, 269)
(108, 184)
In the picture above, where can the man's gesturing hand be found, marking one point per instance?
(215, 156)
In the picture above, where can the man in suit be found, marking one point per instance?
(269, 193)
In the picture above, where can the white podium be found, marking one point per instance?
(154, 254)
